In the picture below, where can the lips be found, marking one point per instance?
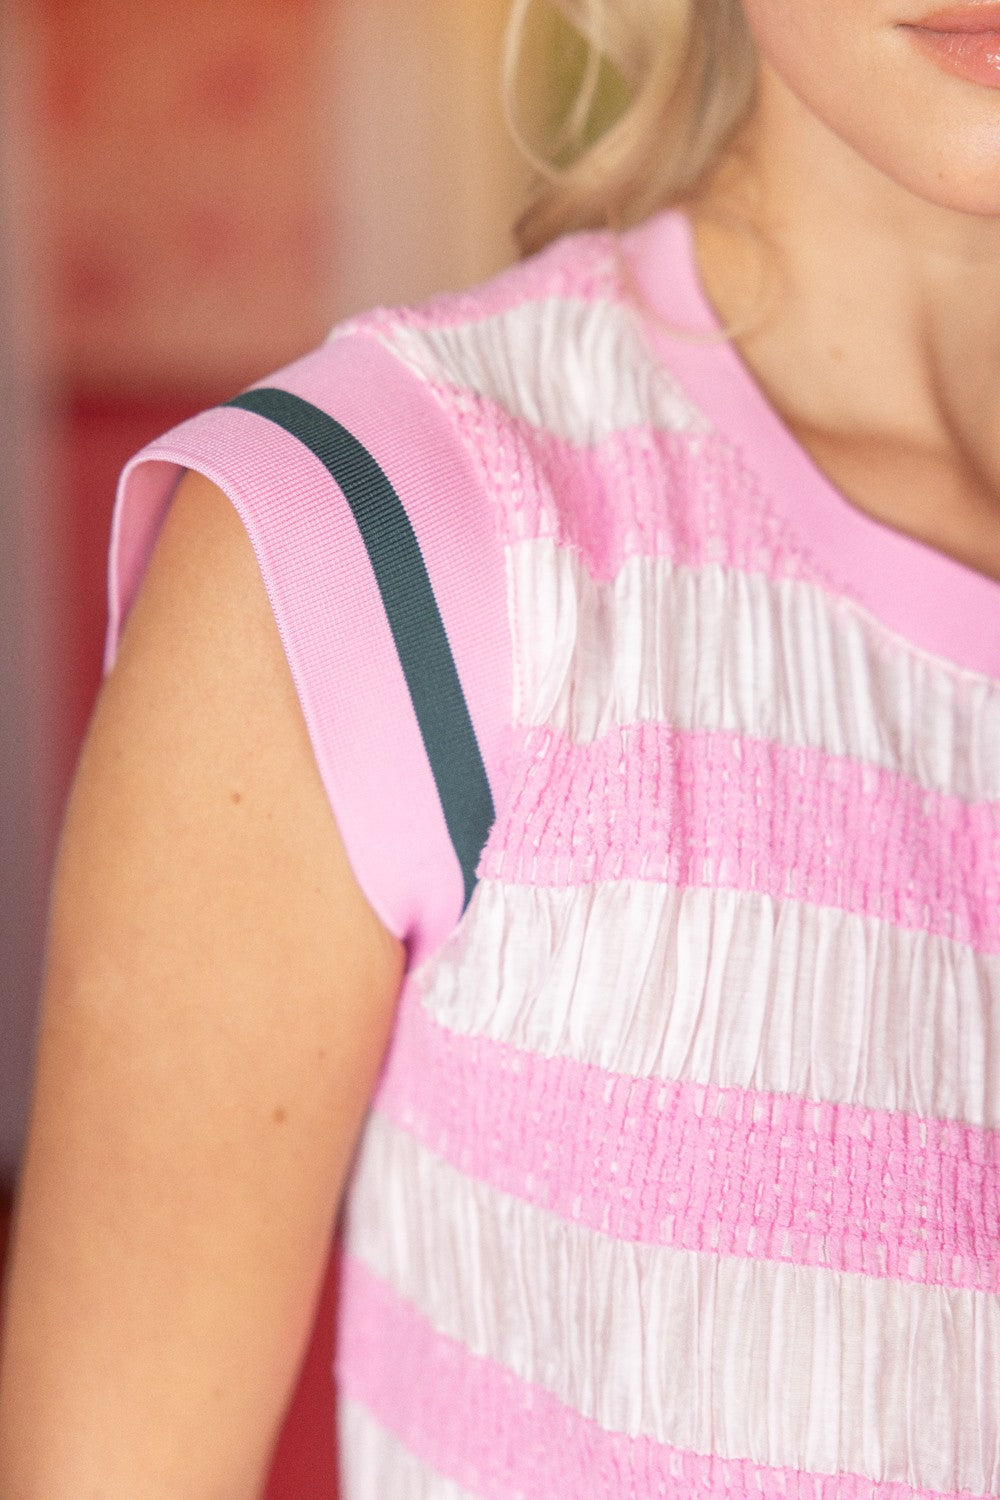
(963, 40)
(961, 20)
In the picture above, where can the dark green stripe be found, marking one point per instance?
(413, 615)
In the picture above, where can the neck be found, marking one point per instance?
(870, 316)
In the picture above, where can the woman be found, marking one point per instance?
(682, 1170)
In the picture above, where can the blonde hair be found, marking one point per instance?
(687, 70)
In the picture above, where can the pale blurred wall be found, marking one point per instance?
(219, 180)
(427, 183)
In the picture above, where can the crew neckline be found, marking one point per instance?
(932, 600)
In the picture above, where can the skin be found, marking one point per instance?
(217, 1003)
(219, 993)
(868, 287)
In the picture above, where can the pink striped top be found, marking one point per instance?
(683, 1174)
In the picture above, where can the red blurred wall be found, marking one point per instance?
(222, 178)
(188, 249)
(190, 242)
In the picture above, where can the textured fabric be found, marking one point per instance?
(683, 1173)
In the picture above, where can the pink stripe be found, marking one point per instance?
(475, 1422)
(722, 1170)
(716, 809)
(686, 496)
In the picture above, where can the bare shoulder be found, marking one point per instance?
(218, 999)
(198, 808)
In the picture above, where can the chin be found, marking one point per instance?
(861, 121)
(938, 160)
(951, 181)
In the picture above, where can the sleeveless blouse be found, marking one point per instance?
(682, 1176)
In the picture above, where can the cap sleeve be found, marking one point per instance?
(391, 609)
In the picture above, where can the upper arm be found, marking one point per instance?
(218, 998)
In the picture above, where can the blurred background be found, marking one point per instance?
(191, 193)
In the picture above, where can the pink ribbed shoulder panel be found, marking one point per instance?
(683, 1176)
(327, 607)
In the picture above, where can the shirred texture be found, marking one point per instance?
(683, 1174)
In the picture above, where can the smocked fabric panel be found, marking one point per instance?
(684, 1173)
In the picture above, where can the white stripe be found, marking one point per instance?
(579, 369)
(729, 988)
(374, 1464)
(774, 1363)
(720, 649)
